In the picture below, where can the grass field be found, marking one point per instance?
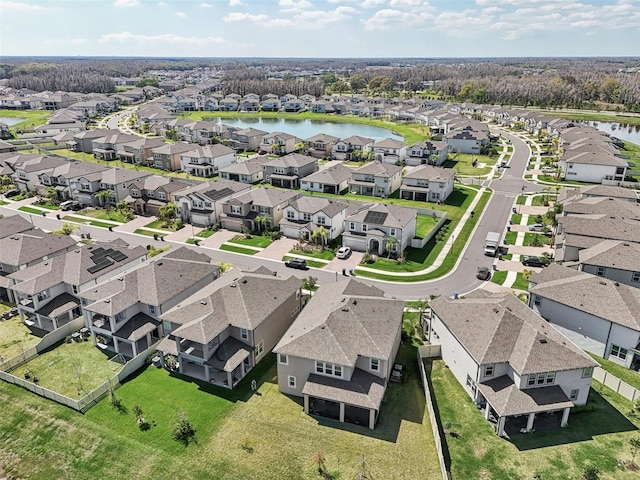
(461, 163)
(104, 214)
(424, 225)
(499, 277)
(158, 225)
(32, 118)
(239, 436)
(599, 437)
(205, 233)
(234, 248)
(15, 337)
(94, 223)
(253, 241)
(326, 254)
(142, 231)
(521, 283)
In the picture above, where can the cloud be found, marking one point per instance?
(21, 7)
(313, 19)
(163, 4)
(371, 3)
(245, 17)
(166, 38)
(206, 5)
(418, 14)
(126, 3)
(235, 3)
(181, 14)
(292, 5)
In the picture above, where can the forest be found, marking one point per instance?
(604, 83)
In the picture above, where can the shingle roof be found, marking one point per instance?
(501, 329)
(308, 204)
(14, 224)
(248, 167)
(389, 143)
(604, 206)
(291, 160)
(613, 254)
(333, 175)
(268, 197)
(342, 321)
(379, 169)
(604, 227)
(363, 390)
(431, 173)
(25, 247)
(397, 217)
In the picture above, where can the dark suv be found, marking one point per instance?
(298, 263)
(534, 262)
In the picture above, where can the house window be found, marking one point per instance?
(290, 214)
(541, 378)
(85, 186)
(119, 316)
(166, 325)
(152, 310)
(135, 192)
(537, 300)
(364, 227)
(283, 359)
(374, 364)
(551, 377)
(352, 226)
(574, 394)
(43, 295)
(244, 334)
(292, 381)
(260, 348)
(488, 370)
(471, 385)
(619, 352)
(264, 209)
(325, 368)
(75, 289)
(392, 232)
(600, 271)
(635, 277)
(587, 372)
(235, 209)
(162, 196)
(150, 193)
(306, 217)
(321, 220)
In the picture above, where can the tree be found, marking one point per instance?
(52, 195)
(309, 283)
(167, 213)
(225, 266)
(275, 148)
(125, 209)
(635, 448)
(389, 244)
(103, 197)
(320, 233)
(183, 431)
(66, 229)
(262, 220)
(357, 82)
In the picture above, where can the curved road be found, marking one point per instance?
(462, 279)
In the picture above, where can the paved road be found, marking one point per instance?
(462, 279)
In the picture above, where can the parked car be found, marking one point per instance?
(483, 273)
(70, 205)
(262, 152)
(298, 263)
(343, 252)
(534, 261)
(536, 227)
(549, 170)
(12, 193)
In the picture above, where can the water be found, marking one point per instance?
(630, 133)
(11, 121)
(305, 128)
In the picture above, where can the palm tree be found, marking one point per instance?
(390, 243)
(167, 213)
(321, 234)
(262, 220)
(275, 148)
(103, 197)
(67, 229)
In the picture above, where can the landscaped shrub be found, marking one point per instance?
(183, 431)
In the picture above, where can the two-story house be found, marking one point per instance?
(28, 167)
(511, 362)
(389, 150)
(201, 204)
(351, 148)
(167, 156)
(280, 143)
(593, 165)
(244, 209)
(305, 215)
(124, 313)
(140, 151)
(334, 179)
(376, 179)
(250, 171)
(206, 161)
(221, 332)
(83, 141)
(117, 181)
(378, 228)
(339, 353)
(427, 184)
(287, 171)
(248, 138)
(430, 152)
(150, 193)
(321, 145)
(465, 141)
(613, 259)
(105, 148)
(66, 177)
(48, 293)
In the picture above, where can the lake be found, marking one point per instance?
(305, 128)
(630, 133)
(11, 121)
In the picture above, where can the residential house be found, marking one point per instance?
(305, 215)
(280, 143)
(167, 156)
(466, 140)
(149, 194)
(206, 161)
(389, 150)
(340, 351)
(6, 147)
(247, 138)
(600, 315)
(83, 141)
(334, 179)
(201, 204)
(597, 191)
(271, 104)
(72, 178)
(293, 105)
(431, 152)
(613, 259)
(48, 293)
(248, 208)
(592, 165)
(221, 332)
(512, 363)
(427, 184)
(250, 171)
(140, 151)
(228, 104)
(351, 148)
(287, 171)
(9, 226)
(321, 145)
(377, 179)
(117, 181)
(378, 228)
(29, 168)
(124, 313)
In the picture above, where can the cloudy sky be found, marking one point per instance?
(320, 28)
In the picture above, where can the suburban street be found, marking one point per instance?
(461, 280)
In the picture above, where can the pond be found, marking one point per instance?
(11, 121)
(305, 128)
(623, 131)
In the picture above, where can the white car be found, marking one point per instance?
(343, 252)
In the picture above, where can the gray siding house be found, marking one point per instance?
(287, 171)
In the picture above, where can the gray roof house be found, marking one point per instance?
(613, 259)
(48, 293)
(334, 179)
(221, 332)
(287, 171)
(427, 184)
(205, 161)
(320, 145)
(14, 224)
(351, 148)
(389, 150)
(305, 215)
(378, 228)
(149, 194)
(600, 315)
(430, 152)
(245, 208)
(607, 191)
(594, 166)
(167, 156)
(139, 151)
(601, 206)
(512, 363)
(123, 313)
(280, 143)
(339, 353)
(376, 179)
(250, 171)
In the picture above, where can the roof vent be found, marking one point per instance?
(355, 302)
(121, 279)
(203, 302)
(495, 310)
(233, 285)
(617, 284)
(602, 283)
(244, 280)
(107, 300)
(543, 340)
(345, 309)
(159, 263)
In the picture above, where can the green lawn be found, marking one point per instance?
(104, 214)
(32, 118)
(15, 337)
(424, 225)
(599, 437)
(142, 231)
(511, 237)
(530, 238)
(57, 368)
(462, 163)
(521, 200)
(29, 209)
(542, 200)
(499, 277)
(310, 263)
(48, 206)
(516, 218)
(252, 241)
(521, 283)
(95, 223)
(507, 256)
(205, 233)
(233, 248)
(626, 375)
(236, 433)
(412, 328)
(326, 254)
(158, 225)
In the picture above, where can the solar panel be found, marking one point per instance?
(97, 251)
(118, 256)
(100, 265)
(217, 194)
(376, 218)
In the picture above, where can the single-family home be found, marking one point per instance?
(105, 148)
(256, 209)
(351, 148)
(427, 184)
(149, 194)
(250, 171)
(599, 191)
(334, 179)
(28, 168)
(140, 151)
(340, 351)
(201, 204)
(207, 160)
(378, 228)
(305, 215)
(512, 363)
(613, 259)
(247, 138)
(592, 165)
(376, 179)
(117, 181)
(320, 145)
(221, 332)
(465, 140)
(167, 156)
(69, 177)
(280, 143)
(83, 141)
(287, 171)
(431, 152)
(389, 150)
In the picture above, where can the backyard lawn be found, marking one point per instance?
(424, 224)
(599, 437)
(236, 433)
(15, 337)
(462, 163)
